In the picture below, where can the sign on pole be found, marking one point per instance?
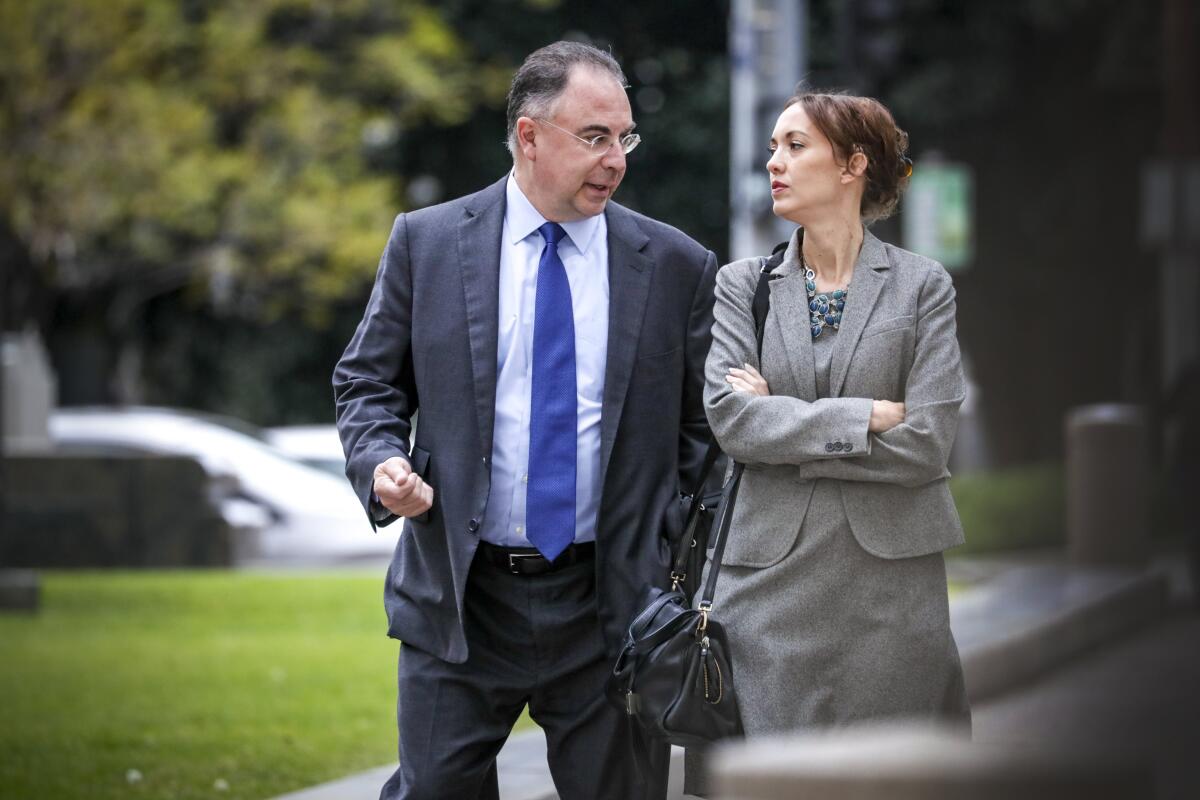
(937, 213)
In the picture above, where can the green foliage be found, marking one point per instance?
(228, 145)
(1011, 509)
(269, 682)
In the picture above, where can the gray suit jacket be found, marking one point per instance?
(428, 341)
(896, 342)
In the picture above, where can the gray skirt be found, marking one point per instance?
(832, 635)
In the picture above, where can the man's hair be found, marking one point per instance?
(544, 75)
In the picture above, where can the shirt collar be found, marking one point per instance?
(523, 219)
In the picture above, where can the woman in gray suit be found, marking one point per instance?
(833, 587)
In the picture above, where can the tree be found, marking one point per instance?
(224, 150)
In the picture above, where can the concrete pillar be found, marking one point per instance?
(1108, 485)
(30, 392)
(898, 763)
(20, 590)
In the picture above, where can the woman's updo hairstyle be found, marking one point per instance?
(862, 125)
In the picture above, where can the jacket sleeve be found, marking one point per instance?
(776, 429)
(373, 384)
(916, 451)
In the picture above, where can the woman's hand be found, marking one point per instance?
(748, 381)
(885, 415)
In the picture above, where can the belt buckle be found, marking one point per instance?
(515, 558)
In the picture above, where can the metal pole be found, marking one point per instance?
(768, 53)
(1181, 255)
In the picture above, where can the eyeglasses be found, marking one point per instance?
(599, 145)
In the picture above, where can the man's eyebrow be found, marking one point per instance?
(604, 129)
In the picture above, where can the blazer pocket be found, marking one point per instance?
(888, 325)
(420, 464)
(770, 507)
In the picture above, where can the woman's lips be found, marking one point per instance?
(777, 187)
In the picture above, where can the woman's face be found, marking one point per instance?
(806, 179)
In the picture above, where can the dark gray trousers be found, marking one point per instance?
(536, 641)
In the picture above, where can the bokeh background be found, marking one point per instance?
(193, 198)
(194, 195)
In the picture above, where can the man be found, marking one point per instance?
(554, 343)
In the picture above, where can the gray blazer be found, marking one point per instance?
(896, 342)
(428, 341)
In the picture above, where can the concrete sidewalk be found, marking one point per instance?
(1136, 700)
(1023, 616)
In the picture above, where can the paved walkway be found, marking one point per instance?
(1026, 616)
(1136, 699)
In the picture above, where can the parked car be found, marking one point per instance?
(289, 512)
(315, 445)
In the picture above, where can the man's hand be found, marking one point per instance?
(885, 415)
(748, 381)
(400, 490)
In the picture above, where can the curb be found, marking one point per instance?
(1004, 647)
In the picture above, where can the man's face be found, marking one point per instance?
(568, 181)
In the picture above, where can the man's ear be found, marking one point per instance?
(527, 138)
(856, 167)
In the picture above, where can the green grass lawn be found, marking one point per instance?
(208, 684)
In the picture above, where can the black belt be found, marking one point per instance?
(528, 561)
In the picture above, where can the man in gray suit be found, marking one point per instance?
(554, 343)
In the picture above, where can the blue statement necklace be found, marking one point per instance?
(825, 308)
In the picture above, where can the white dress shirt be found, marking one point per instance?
(584, 253)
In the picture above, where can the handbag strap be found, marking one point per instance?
(685, 543)
(762, 296)
(759, 308)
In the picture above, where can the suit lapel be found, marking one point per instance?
(629, 273)
(789, 304)
(865, 285)
(479, 264)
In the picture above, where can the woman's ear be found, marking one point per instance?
(856, 167)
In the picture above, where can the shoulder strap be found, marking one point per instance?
(762, 297)
(762, 292)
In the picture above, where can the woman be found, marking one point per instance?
(832, 587)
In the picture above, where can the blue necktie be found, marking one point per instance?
(550, 494)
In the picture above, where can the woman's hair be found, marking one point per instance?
(863, 125)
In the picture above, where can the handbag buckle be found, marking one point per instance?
(633, 703)
(676, 580)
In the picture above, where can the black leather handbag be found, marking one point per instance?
(674, 677)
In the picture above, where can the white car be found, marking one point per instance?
(285, 512)
(316, 445)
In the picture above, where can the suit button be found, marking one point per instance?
(848, 447)
(837, 446)
(829, 447)
(473, 525)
